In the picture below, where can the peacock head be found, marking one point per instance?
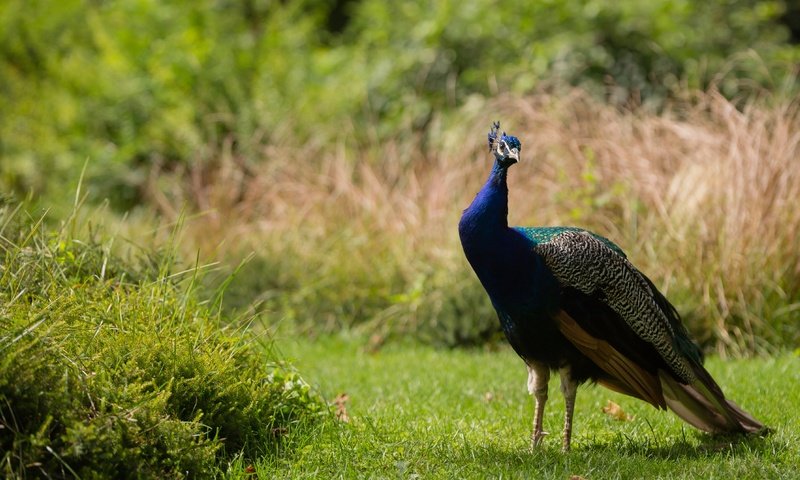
(506, 148)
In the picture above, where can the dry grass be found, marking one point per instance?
(701, 197)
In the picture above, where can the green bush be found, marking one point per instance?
(143, 88)
(441, 305)
(110, 367)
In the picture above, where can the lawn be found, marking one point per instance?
(420, 412)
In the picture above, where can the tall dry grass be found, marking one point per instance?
(703, 198)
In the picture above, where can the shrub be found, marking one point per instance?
(110, 367)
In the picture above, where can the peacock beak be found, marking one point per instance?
(513, 154)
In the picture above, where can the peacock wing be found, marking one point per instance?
(611, 300)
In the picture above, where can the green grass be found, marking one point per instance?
(420, 412)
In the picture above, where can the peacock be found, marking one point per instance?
(569, 300)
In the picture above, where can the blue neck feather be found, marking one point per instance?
(484, 231)
(487, 216)
(502, 257)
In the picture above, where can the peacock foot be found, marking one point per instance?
(536, 438)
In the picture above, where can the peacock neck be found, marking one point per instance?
(498, 176)
(494, 198)
(487, 217)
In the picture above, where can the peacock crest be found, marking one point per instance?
(505, 142)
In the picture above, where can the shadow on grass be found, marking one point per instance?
(696, 446)
(699, 446)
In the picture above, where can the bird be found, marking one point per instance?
(569, 300)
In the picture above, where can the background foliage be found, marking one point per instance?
(288, 125)
(143, 87)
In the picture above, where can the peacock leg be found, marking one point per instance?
(538, 376)
(569, 388)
